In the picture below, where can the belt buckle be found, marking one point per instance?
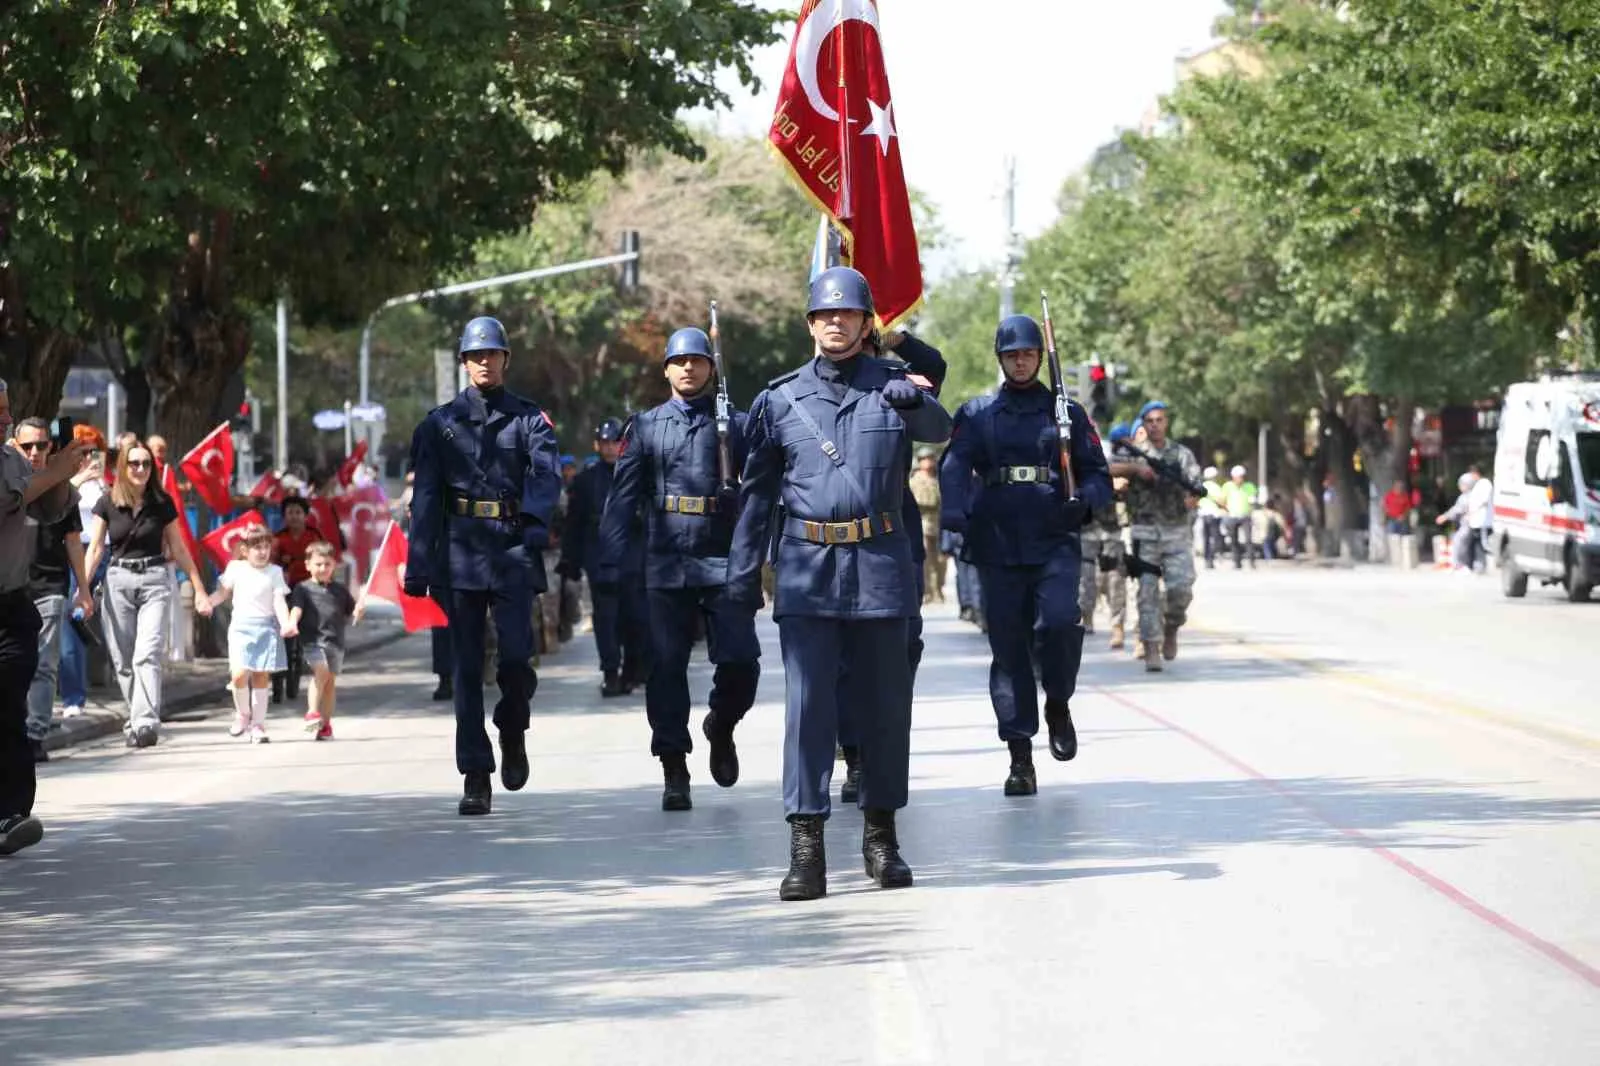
(843, 532)
(691, 505)
(485, 508)
(1023, 475)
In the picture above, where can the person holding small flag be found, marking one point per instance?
(320, 608)
(486, 487)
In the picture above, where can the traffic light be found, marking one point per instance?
(1100, 395)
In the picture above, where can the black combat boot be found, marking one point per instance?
(675, 774)
(475, 794)
(881, 851)
(850, 791)
(611, 685)
(1063, 737)
(514, 760)
(1022, 781)
(445, 689)
(724, 754)
(808, 865)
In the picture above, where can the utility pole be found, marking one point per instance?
(280, 441)
(1013, 253)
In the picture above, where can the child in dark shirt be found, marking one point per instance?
(321, 607)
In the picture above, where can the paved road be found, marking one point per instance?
(1356, 822)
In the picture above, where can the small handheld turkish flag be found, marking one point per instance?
(269, 488)
(209, 467)
(347, 469)
(388, 581)
(834, 128)
(219, 542)
(169, 485)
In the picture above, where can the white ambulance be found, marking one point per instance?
(1547, 485)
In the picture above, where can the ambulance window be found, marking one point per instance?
(1538, 445)
(1589, 459)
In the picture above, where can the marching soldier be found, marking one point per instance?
(1161, 517)
(832, 442)
(669, 468)
(619, 604)
(1023, 533)
(486, 487)
(1102, 575)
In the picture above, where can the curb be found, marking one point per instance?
(102, 721)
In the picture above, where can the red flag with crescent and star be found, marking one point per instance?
(209, 468)
(388, 583)
(169, 485)
(219, 542)
(347, 469)
(834, 128)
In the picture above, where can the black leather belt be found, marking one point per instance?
(467, 507)
(138, 566)
(850, 531)
(1019, 475)
(687, 504)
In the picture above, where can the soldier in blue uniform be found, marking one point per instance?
(916, 357)
(832, 442)
(1022, 532)
(486, 487)
(669, 469)
(620, 611)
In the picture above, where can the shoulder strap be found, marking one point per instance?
(828, 447)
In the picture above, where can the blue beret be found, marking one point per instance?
(1153, 405)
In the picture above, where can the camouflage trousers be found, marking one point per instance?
(1164, 599)
(1095, 583)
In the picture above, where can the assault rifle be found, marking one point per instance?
(1135, 567)
(1165, 469)
(724, 407)
(1063, 414)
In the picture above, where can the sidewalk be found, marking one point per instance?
(191, 690)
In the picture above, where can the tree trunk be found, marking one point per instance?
(33, 360)
(1384, 451)
(1344, 515)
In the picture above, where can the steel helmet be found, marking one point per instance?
(688, 341)
(840, 288)
(1016, 333)
(610, 429)
(483, 334)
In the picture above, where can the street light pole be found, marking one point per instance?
(631, 256)
(280, 445)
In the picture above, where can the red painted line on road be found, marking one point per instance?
(1564, 959)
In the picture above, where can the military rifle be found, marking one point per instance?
(1163, 468)
(724, 407)
(1069, 483)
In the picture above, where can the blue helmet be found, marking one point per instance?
(688, 341)
(1121, 431)
(1153, 405)
(610, 429)
(483, 334)
(1016, 333)
(840, 288)
(569, 460)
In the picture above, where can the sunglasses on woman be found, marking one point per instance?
(138, 464)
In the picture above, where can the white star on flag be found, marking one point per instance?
(882, 124)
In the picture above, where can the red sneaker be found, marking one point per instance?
(314, 723)
(326, 732)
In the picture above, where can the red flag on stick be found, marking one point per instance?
(834, 128)
(269, 488)
(220, 541)
(364, 516)
(209, 466)
(326, 519)
(169, 485)
(347, 469)
(388, 583)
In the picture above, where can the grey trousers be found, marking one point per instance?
(136, 619)
(42, 693)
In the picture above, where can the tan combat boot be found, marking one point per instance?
(1152, 658)
(1169, 642)
(1138, 649)
(1116, 637)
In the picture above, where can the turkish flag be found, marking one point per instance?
(169, 485)
(363, 515)
(209, 467)
(269, 488)
(388, 582)
(220, 541)
(326, 519)
(347, 469)
(834, 128)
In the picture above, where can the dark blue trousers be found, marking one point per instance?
(1032, 611)
(914, 646)
(622, 627)
(734, 650)
(443, 651)
(969, 589)
(835, 667)
(514, 673)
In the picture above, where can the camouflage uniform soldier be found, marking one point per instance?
(924, 485)
(1161, 514)
(1101, 572)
